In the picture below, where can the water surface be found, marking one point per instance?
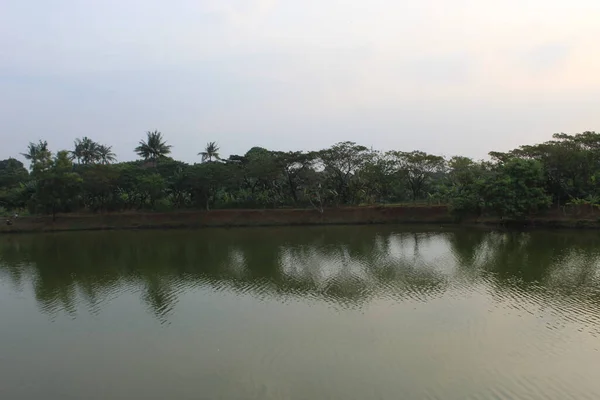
(300, 313)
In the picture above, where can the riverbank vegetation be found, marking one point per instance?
(564, 171)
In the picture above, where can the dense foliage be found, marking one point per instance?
(515, 184)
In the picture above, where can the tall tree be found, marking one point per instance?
(418, 168)
(12, 173)
(515, 189)
(106, 155)
(379, 178)
(154, 147)
(86, 151)
(210, 151)
(295, 165)
(206, 180)
(99, 188)
(58, 186)
(463, 186)
(13, 177)
(37, 152)
(340, 162)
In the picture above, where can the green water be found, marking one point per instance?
(300, 313)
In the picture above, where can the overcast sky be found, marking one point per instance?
(444, 76)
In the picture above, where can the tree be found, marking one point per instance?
(509, 186)
(296, 167)
(571, 164)
(58, 186)
(205, 182)
(127, 192)
(154, 148)
(515, 189)
(210, 151)
(418, 168)
(37, 153)
(379, 178)
(106, 155)
(86, 151)
(462, 188)
(12, 173)
(178, 186)
(152, 187)
(13, 176)
(264, 177)
(340, 162)
(99, 186)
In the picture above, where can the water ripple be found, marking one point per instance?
(449, 315)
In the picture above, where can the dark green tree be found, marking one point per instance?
(340, 164)
(514, 189)
(58, 187)
(13, 178)
(154, 147)
(106, 155)
(85, 151)
(462, 188)
(37, 153)
(210, 151)
(418, 169)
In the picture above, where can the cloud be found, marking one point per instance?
(546, 57)
(297, 73)
(244, 13)
(440, 69)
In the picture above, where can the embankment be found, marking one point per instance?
(229, 218)
(555, 218)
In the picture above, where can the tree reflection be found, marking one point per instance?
(344, 266)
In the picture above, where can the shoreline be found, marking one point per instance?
(372, 215)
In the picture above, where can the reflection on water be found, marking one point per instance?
(336, 312)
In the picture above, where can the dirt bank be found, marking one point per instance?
(229, 218)
(556, 218)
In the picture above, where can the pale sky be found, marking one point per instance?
(443, 76)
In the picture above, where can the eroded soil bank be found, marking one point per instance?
(555, 218)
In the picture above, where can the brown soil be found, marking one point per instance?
(229, 218)
(555, 218)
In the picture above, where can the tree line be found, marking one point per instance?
(514, 184)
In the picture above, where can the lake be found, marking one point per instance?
(359, 312)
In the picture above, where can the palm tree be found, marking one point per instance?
(106, 155)
(154, 147)
(210, 151)
(86, 151)
(34, 150)
(37, 152)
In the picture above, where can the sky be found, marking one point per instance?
(447, 77)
